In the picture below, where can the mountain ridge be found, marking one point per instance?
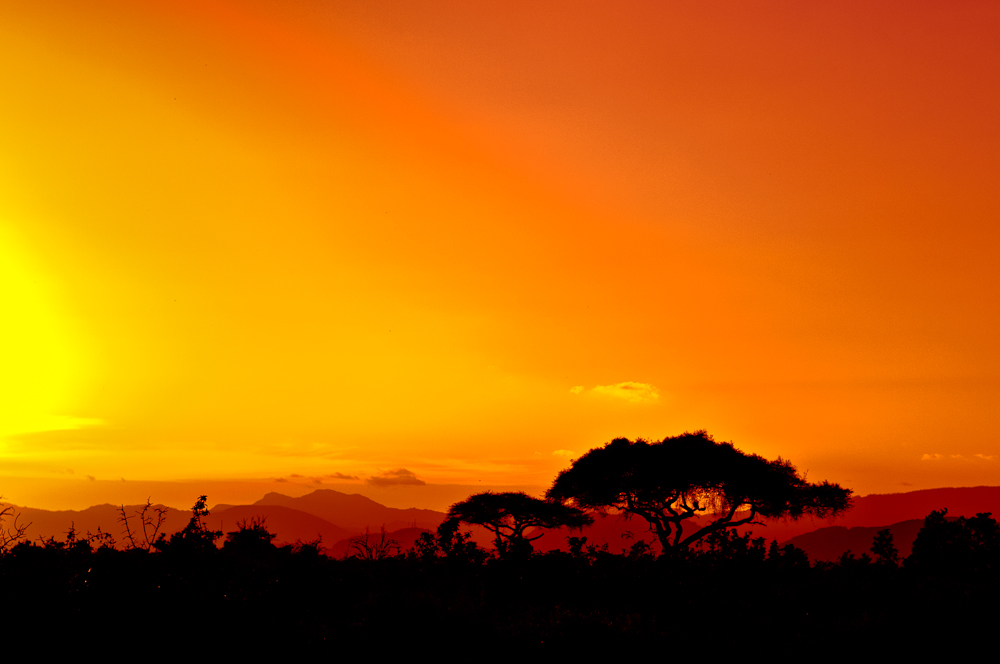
(335, 516)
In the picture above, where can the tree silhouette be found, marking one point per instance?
(884, 549)
(12, 534)
(451, 543)
(196, 537)
(671, 481)
(957, 547)
(508, 515)
(151, 518)
(374, 547)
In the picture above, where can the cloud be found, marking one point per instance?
(281, 479)
(958, 457)
(564, 453)
(628, 390)
(397, 477)
(343, 476)
(91, 478)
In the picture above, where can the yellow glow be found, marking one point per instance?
(39, 367)
(473, 241)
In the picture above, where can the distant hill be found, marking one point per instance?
(287, 524)
(337, 516)
(290, 519)
(107, 518)
(881, 509)
(833, 542)
(354, 511)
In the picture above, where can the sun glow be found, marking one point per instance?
(39, 364)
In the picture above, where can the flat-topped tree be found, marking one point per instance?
(508, 515)
(672, 480)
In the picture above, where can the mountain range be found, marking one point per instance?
(333, 517)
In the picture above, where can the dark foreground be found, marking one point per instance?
(459, 603)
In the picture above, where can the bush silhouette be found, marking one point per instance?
(195, 538)
(251, 537)
(957, 547)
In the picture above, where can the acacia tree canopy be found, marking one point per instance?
(509, 514)
(681, 477)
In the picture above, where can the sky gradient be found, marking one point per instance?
(323, 242)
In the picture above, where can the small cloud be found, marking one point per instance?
(316, 480)
(296, 475)
(986, 457)
(397, 477)
(628, 390)
(91, 478)
(906, 483)
(959, 457)
(281, 479)
(564, 453)
(576, 389)
(931, 457)
(343, 476)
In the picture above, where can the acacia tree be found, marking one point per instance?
(509, 514)
(670, 482)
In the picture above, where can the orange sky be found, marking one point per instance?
(265, 240)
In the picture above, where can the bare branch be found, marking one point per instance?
(151, 519)
(371, 547)
(15, 532)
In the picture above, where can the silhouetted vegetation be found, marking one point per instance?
(142, 527)
(508, 515)
(587, 598)
(723, 591)
(670, 482)
(12, 530)
(374, 547)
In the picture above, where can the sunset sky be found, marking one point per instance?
(369, 244)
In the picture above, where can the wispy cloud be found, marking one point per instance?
(564, 453)
(628, 390)
(343, 476)
(959, 457)
(397, 477)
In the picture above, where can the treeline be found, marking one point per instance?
(731, 591)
